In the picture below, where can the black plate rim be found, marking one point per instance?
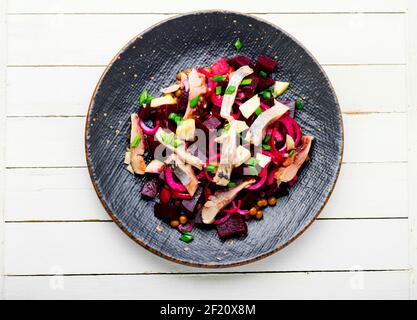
(149, 248)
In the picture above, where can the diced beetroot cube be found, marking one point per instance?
(250, 89)
(269, 102)
(233, 227)
(264, 83)
(266, 64)
(144, 112)
(249, 200)
(190, 206)
(212, 123)
(182, 106)
(239, 61)
(151, 188)
(220, 67)
(167, 212)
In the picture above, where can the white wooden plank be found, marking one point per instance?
(369, 88)
(62, 91)
(100, 247)
(51, 194)
(51, 97)
(412, 140)
(368, 138)
(3, 62)
(167, 6)
(369, 190)
(67, 194)
(375, 137)
(322, 285)
(56, 40)
(45, 142)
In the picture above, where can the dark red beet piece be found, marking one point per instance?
(151, 188)
(239, 61)
(250, 89)
(212, 123)
(167, 212)
(183, 101)
(190, 206)
(144, 112)
(269, 102)
(249, 199)
(264, 83)
(233, 227)
(220, 67)
(266, 64)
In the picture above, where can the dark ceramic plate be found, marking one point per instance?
(151, 61)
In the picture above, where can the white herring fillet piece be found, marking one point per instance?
(136, 159)
(183, 172)
(229, 145)
(257, 130)
(180, 150)
(219, 200)
(235, 80)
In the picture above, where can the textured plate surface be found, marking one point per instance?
(152, 61)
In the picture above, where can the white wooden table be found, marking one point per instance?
(58, 242)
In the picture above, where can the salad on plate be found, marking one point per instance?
(217, 146)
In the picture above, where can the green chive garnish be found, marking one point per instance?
(175, 117)
(267, 138)
(266, 95)
(252, 162)
(227, 126)
(194, 101)
(136, 141)
(246, 82)
(230, 90)
(149, 99)
(263, 74)
(211, 168)
(218, 78)
(299, 104)
(186, 236)
(231, 184)
(143, 97)
(218, 90)
(253, 170)
(291, 152)
(258, 111)
(266, 147)
(238, 44)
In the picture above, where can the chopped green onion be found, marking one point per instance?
(136, 141)
(266, 147)
(266, 95)
(238, 44)
(291, 152)
(299, 104)
(211, 168)
(175, 117)
(230, 90)
(176, 143)
(226, 126)
(218, 78)
(218, 90)
(267, 138)
(246, 82)
(186, 237)
(149, 99)
(194, 101)
(263, 74)
(252, 162)
(231, 184)
(143, 97)
(258, 111)
(166, 138)
(253, 171)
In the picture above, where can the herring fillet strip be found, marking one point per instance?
(257, 129)
(235, 80)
